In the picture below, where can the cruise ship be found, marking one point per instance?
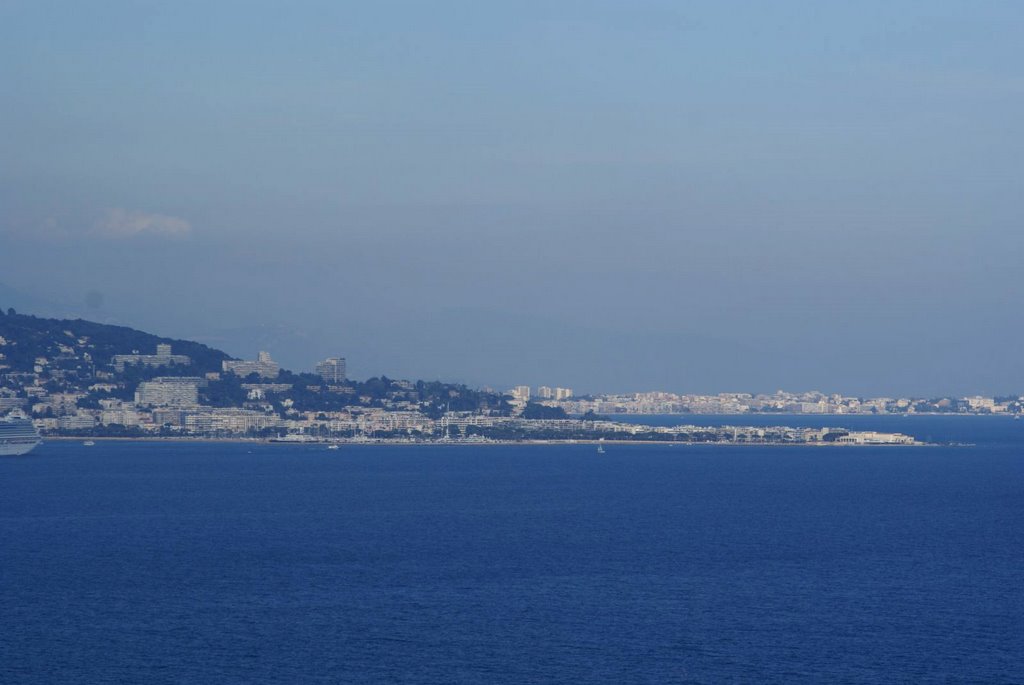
(17, 436)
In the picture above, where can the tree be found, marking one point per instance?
(541, 411)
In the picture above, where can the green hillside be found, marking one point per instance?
(72, 355)
(29, 337)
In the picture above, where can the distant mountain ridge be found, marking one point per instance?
(29, 337)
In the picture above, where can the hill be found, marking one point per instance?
(30, 337)
(68, 371)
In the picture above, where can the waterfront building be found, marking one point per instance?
(874, 438)
(199, 423)
(169, 416)
(332, 370)
(241, 421)
(229, 420)
(463, 420)
(79, 421)
(263, 366)
(124, 416)
(980, 404)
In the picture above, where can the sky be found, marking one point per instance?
(610, 196)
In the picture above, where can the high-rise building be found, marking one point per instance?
(563, 393)
(169, 392)
(520, 392)
(545, 393)
(332, 370)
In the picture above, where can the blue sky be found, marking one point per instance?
(701, 196)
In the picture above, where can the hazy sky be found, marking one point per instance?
(689, 196)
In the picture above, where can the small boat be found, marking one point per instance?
(600, 446)
(88, 443)
(333, 447)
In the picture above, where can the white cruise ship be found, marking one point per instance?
(17, 436)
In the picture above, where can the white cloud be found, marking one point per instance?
(125, 223)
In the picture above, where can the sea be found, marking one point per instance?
(176, 562)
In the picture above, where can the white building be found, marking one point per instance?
(78, 421)
(169, 392)
(10, 400)
(163, 357)
(120, 415)
(980, 404)
(332, 370)
(263, 366)
(241, 420)
(520, 393)
(874, 438)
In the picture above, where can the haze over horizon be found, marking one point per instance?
(608, 196)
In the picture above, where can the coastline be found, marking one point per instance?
(1007, 415)
(470, 443)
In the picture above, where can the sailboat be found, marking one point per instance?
(600, 446)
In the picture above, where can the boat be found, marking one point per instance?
(89, 443)
(600, 446)
(333, 447)
(18, 436)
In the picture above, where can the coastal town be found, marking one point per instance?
(782, 402)
(75, 378)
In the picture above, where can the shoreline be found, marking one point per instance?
(490, 443)
(809, 424)
(611, 416)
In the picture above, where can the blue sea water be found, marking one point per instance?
(232, 563)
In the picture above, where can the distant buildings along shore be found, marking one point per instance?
(77, 377)
(782, 402)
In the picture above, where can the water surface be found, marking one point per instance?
(200, 563)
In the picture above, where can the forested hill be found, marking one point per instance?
(72, 357)
(28, 337)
